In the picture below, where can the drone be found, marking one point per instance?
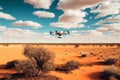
(60, 34)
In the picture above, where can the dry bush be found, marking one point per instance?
(40, 77)
(111, 60)
(8, 76)
(41, 55)
(11, 64)
(48, 66)
(111, 72)
(28, 67)
(76, 45)
(69, 66)
(117, 63)
(83, 55)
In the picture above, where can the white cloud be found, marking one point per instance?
(2, 28)
(74, 31)
(93, 33)
(110, 7)
(71, 19)
(17, 33)
(77, 4)
(40, 3)
(27, 23)
(6, 16)
(114, 27)
(75, 16)
(67, 25)
(44, 14)
(113, 19)
(115, 34)
(102, 29)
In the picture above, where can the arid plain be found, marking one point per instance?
(91, 64)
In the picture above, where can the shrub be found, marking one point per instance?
(48, 66)
(28, 67)
(76, 45)
(41, 77)
(41, 55)
(83, 55)
(69, 66)
(111, 72)
(11, 64)
(8, 76)
(111, 60)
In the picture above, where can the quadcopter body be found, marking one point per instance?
(59, 34)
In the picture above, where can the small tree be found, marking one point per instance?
(41, 55)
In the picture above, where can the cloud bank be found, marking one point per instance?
(110, 7)
(73, 12)
(77, 4)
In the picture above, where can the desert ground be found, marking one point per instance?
(91, 64)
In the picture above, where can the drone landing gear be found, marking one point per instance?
(59, 37)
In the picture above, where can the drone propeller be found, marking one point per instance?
(51, 32)
(68, 32)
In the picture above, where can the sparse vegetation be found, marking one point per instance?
(40, 61)
(76, 45)
(27, 67)
(48, 66)
(111, 72)
(111, 60)
(69, 66)
(40, 55)
(84, 54)
(40, 77)
(11, 64)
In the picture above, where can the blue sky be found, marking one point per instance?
(25, 21)
(23, 11)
